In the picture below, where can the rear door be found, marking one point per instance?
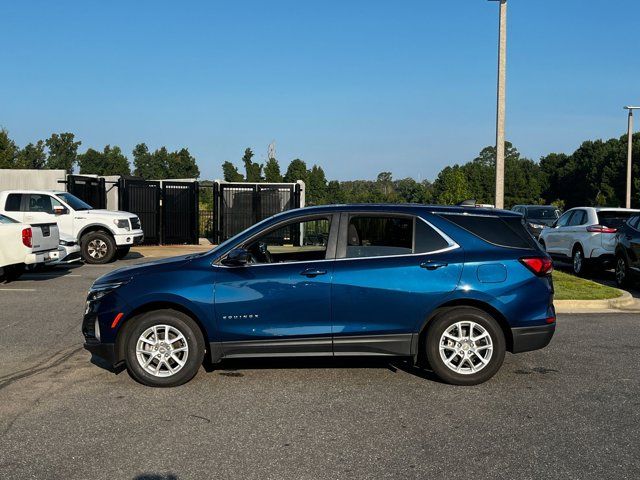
(391, 270)
(575, 232)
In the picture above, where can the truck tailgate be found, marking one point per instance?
(45, 236)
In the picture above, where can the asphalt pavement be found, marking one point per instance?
(571, 410)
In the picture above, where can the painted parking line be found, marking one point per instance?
(35, 276)
(17, 289)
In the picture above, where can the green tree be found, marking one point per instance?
(8, 151)
(182, 164)
(111, 161)
(317, 186)
(230, 173)
(151, 166)
(253, 170)
(272, 171)
(297, 170)
(32, 156)
(451, 186)
(63, 151)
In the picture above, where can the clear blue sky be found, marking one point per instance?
(356, 86)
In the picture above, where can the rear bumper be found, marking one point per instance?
(42, 257)
(526, 339)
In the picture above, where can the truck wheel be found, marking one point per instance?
(98, 247)
(122, 252)
(164, 348)
(465, 346)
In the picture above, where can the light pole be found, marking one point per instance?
(501, 108)
(629, 152)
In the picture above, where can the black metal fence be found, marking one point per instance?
(92, 190)
(142, 197)
(240, 205)
(180, 212)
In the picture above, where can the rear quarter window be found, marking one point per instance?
(502, 231)
(13, 202)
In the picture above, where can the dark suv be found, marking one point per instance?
(537, 217)
(628, 251)
(448, 287)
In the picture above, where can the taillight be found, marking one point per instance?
(601, 229)
(27, 237)
(541, 266)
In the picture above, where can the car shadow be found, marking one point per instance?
(234, 367)
(49, 272)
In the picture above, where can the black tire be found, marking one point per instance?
(122, 252)
(12, 272)
(448, 319)
(623, 274)
(184, 325)
(579, 264)
(98, 247)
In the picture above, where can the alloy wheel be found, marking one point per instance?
(621, 271)
(97, 248)
(466, 347)
(162, 350)
(577, 261)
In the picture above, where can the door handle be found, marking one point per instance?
(433, 265)
(313, 272)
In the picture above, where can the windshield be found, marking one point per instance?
(74, 202)
(541, 213)
(5, 219)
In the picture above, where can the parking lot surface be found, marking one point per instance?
(571, 410)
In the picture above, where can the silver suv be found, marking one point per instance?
(585, 236)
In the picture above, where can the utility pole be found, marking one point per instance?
(501, 108)
(629, 152)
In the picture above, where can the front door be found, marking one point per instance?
(280, 303)
(391, 271)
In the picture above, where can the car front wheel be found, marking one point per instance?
(465, 346)
(98, 247)
(164, 348)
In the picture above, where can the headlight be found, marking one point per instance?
(122, 223)
(537, 226)
(96, 292)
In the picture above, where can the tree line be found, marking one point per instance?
(594, 174)
(60, 151)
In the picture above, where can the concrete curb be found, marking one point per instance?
(580, 306)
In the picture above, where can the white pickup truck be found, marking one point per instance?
(22, 244)
(102, 234)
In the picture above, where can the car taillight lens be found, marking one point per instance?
(601, 229)
(27, 237)
(541, 266)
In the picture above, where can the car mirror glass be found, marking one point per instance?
(59, 210)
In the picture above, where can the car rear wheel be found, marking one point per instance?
(98, 247)
(622, 271)
(465, 346)
(578, 262)
(164, 348)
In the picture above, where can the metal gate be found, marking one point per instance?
(240, 205)
(142, 197)
(92, 190)
(179, 212)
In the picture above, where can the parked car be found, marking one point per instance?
(102, 234)
(585, 236)
(448, 286)
(22, 245)
(69, 250)
(537, 217)
(628, 252)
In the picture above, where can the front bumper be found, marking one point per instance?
(134, 237)
(105, 351)
(526, 339)
(68, 254)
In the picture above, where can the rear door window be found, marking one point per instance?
(579, 217)
(502, 231)
(39, 203)
(375, 236)
(613, 219)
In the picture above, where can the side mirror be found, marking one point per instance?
(59, 210)
(237, 258)
(554, 224)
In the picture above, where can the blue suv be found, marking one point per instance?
(450, 288)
